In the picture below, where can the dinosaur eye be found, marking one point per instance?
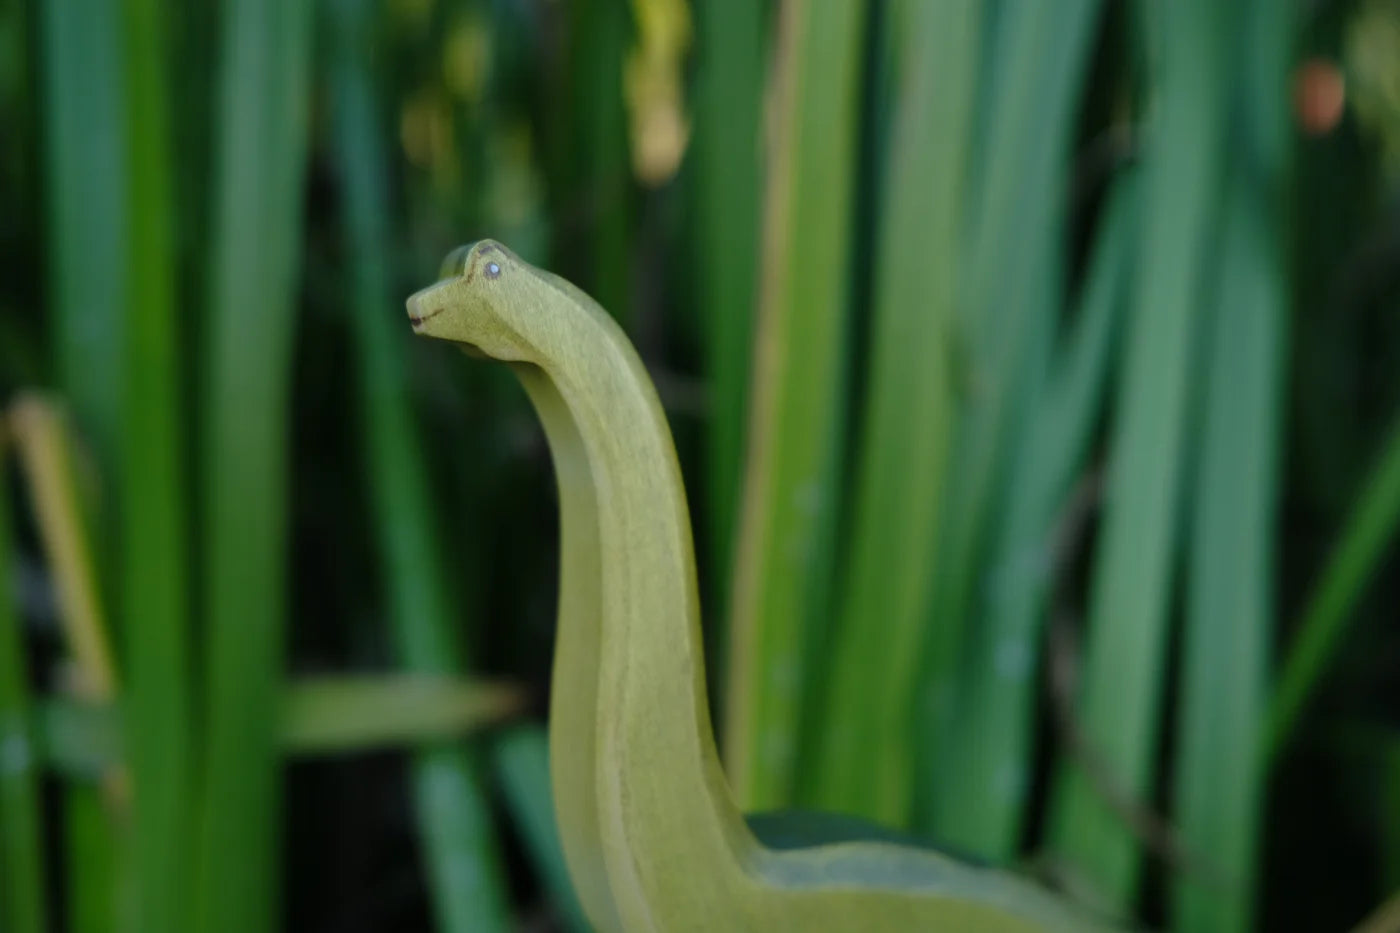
(492, 270)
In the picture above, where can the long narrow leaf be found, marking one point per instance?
(996, 712)
(1219, 774)
(256, 238)
(1131, 596)
(865, 766)
(1369, 530)
(348, 713)
(46, 443)
(1226, 638)
(727, 176)
(85, 205)
(86, 209)
(154, 594)
(338, 715)
(91, 807)
(78, 740)
(1389, 805)
(598, 163)
(21, 852)
(1008, 298)
(92, 861)
(453, 816)
(521, 760)
(791, 490)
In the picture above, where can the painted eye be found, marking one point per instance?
(492, 270)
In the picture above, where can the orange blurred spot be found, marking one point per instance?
(1319, 96)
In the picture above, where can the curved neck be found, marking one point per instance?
(629, 706)
(574, 692)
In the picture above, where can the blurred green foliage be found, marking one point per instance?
(1033, 368)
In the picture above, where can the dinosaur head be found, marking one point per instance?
(482, 300)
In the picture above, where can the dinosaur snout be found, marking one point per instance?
(425, 305)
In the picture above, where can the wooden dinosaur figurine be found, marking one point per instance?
(651, 835)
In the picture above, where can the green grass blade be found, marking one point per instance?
(1389, 809)
(1219, 779)
(726, 189)
(598, 165)
(1130, 595)
(78, 740)
(864, 764)
(256, 224)
(791, 490)
(343, 714)
(1218, 782)
(51, 464)
(996, 718)
(358, 713)
(86, 210)
(21, 852)
(1009, 298)
(1363, 542)
(91, 852)
(154, 594)
(521, 762)
(453, 813)
(91, 861)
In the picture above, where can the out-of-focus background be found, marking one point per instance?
(1034, 369)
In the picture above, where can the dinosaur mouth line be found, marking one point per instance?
(418, 322)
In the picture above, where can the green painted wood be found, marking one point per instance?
(650, 830)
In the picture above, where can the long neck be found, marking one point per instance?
(629, 707)
(573, 754)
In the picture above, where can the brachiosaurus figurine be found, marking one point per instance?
(651, 835)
